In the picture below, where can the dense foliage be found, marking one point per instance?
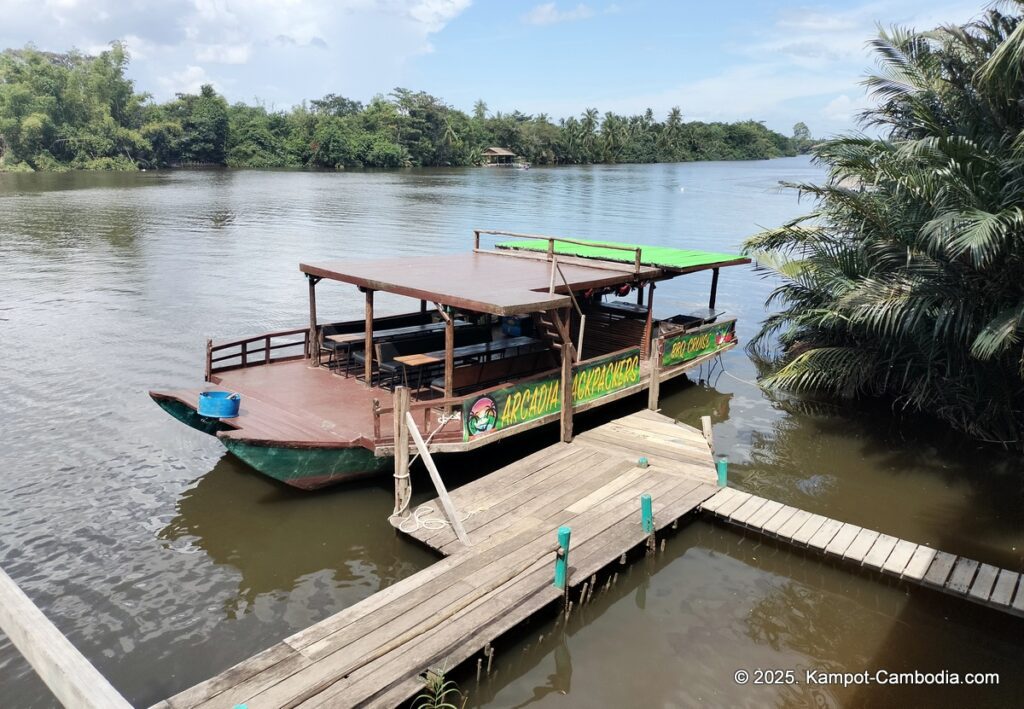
(907, 280)
(71, 110)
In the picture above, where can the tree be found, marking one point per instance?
(204, 121)
(907, 280)
(335, 105)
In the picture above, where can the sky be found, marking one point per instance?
(777, 62)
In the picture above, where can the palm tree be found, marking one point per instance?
(588, 127)
(907, 280)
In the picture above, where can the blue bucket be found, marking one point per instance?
(218, 404)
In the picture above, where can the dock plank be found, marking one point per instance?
(901, 555)
(842, 539)
(919, 563)
(983, 582)
(779, 519)
(824, 535)
(787, 530)
(718, 499)
(938, 571)
(1006, 583)
(860, 545)
(764, 514)
(748, 509)
(733, 504)
(880, 551)
(963, 574)
(808, 529)
(1018, 600)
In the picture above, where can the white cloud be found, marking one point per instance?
(224, 53)
(299, 48)
(187, 81)
(843, 109)
(549, 14)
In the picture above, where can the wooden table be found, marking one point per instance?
(421, 361)
(396, 333)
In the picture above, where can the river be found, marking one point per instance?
(165, 560)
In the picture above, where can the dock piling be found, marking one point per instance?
(722, 466)
(647, 513)
(562, 560)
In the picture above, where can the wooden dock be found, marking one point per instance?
(373, 653)
(918, 563)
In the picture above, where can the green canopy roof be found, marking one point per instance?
(656, 256)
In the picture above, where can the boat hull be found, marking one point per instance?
(306, 468)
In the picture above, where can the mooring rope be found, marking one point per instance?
(419, 515)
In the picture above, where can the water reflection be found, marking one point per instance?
(277, 538)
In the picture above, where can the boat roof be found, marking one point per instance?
(673, 260)
(500, 283)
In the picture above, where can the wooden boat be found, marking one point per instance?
(505, 339)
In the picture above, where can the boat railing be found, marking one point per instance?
(254, 351)
(420, 410)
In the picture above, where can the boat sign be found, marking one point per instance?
(518, 403)
(697, 343)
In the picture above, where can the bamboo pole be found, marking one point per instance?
(654, 388)
(71, 678)
(403, 485)
(645, 349)
(368, 343)
(442, 492)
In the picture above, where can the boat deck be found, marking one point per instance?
(373, 653)
(296, 403)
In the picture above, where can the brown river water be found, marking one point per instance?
(165, 560)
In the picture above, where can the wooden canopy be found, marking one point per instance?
(483, 282)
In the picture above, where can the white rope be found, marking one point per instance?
(727, 373)
(422, 519)
(427, 522)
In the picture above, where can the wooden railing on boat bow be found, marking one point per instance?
(426, 427)
(254, 351)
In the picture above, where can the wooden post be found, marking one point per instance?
(368, 342)
(403, 485)
(562, 557)
(71, 678)
(314, 337)
(209, 360)
(705, 424)
(654, 388)
(442, 493)
(449, 356)
(714, 289)
(476, 239)
(562, 323)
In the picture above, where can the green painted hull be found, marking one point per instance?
(305, 468)
(309, 468)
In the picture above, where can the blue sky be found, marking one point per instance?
(777, 62)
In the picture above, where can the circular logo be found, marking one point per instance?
(483, 415)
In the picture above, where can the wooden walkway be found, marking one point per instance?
(956, 575)
(373, 653)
